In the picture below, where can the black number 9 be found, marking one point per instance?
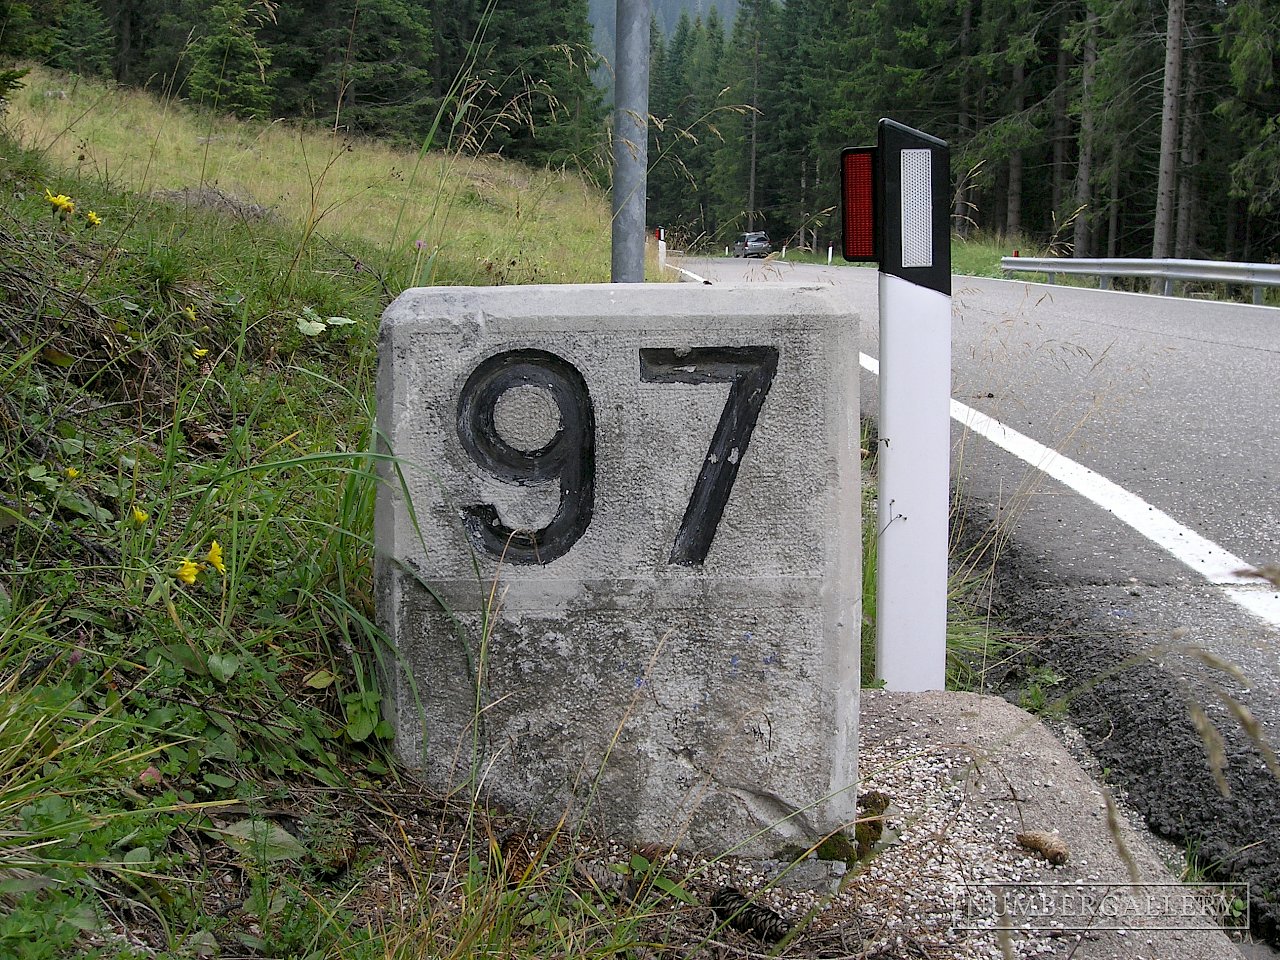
(568, 456)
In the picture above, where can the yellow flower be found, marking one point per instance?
(200, 352)
(187, 571)
(190, 313)
(93, 218)
(61, 203)
(214, 556)
(72, 473)
(139, 515)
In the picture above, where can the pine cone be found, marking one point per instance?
(607, 881)
(517, 857)
(733, 908)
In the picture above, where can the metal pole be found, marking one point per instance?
(630, 139)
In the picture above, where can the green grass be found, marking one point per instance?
(187, 639)
(442, 215)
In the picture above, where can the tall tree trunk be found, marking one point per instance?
(999, 203)
(1013, 213)
(1061, 132)
(124, 46)
(1185, 235)
(1233, 227)
(1167, 181)
(960, 216)
(755, 119)
(1082, 241)
(1113, 213)
(804, 212)
(817, 192)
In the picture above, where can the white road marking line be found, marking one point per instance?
(691, 275)
(1202, 555)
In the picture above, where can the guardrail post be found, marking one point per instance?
(1258, 293)
(1104, 282)
(1053, 278)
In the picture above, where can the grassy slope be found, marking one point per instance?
(485, 219)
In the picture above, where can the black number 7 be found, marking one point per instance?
(750, 370)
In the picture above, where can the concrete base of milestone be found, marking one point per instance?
(662, 659)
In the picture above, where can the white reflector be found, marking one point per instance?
(917, 208)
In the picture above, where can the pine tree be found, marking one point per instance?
(228, 66)
(84, 42)
(529, 65)
(363, 65)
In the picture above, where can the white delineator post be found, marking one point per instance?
(903, 223)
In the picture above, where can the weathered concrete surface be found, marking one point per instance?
(1024, 773)
(657, 699)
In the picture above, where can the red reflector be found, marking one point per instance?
(858, 188)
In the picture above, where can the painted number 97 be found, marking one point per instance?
(569, 456)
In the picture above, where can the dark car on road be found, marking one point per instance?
(753, 244)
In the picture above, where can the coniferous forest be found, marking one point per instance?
(1093, 127)
(513, 78)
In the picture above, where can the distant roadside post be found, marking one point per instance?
(896, 205)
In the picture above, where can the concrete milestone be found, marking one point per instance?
(617, 553)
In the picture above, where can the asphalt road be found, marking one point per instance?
(1178, 402)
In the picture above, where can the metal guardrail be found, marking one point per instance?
(1256, 275)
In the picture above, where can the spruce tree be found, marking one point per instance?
(84, 42)
(228, 66)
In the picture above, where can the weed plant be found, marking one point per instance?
(978, 647)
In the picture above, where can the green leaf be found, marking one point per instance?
(223, 667)
(159, 592)
(640, 864)
(82, 918)
(180, 655)
(673, 889)
(21, 880)
(137, 856)
(57, 357)
(319, 679)
(218, 780)
(339, 321)
(361, 723)
(310, 328)
(78, 504)
(223, 747)
(261, 840)
(223, 721)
